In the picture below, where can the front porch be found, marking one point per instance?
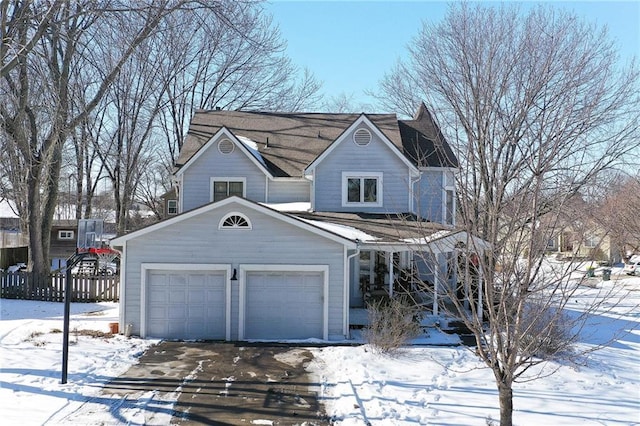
(433, 281)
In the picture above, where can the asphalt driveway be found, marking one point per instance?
(227, 384)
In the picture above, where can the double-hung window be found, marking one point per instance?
(222, 188)
(362, 189)
(172, 207)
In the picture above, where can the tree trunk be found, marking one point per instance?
(505, 394)
(37, 261)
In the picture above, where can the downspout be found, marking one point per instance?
(347, 288)
(391, 274)
(412, 192)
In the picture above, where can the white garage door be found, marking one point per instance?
(186, 305)
(284, 305)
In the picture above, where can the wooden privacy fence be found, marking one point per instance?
(50, 288)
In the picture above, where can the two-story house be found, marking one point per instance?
(287, 222)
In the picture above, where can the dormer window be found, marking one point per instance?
(235, 221)
(361, 189)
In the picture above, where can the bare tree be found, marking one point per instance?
(537, 106)
(17, 16)
(617, 206)
(236, 67)
(37, 114)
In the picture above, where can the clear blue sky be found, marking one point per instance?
(350, 45)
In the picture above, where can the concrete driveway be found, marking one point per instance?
(226, 383)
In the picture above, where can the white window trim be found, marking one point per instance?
(365, 175)
(227, 179)
(448, 184)
(66, 235)
(169, 207)
(234, 228)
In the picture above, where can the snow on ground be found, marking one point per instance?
(450, 386)
(31, 392)
(439, 385)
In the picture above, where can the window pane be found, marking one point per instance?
(219, 191)
(353, 193)
(172, 206)
(370, 190)
(449, 208)
(235, 188)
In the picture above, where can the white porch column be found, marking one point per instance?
(436, 284)
(480, 287)
(390, 274)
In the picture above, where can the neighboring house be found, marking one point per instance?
(11, 235)
(63, 242)
(288, 223)
(592, 243)
(169, 203)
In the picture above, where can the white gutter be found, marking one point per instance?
(347, 288)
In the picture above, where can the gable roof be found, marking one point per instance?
(289, 142)
(242, 142)
(121, 240)
(425, 144)
(363, 119)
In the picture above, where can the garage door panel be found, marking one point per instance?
(284, 305)
(186, 305)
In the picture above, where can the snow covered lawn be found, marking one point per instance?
(31, 359)
(422, 385)
(449, 386)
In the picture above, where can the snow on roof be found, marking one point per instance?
(342, 230)
(252, 147)
(429, 238)
(8, 209)
(450, 238)
(302, 206)
(348, 232)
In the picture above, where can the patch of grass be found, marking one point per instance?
(94, 333)
(32, 338)
(55, 331)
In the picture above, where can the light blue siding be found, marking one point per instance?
(196, 184)
(375, 157)
(429, 196)
(198, 240)
(289, 191)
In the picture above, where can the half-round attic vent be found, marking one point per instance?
(362, 137)
(225, 146)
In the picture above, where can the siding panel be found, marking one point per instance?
(196, 187)
(429, 195)
(374, 157)
(281, 191)
(198, 240)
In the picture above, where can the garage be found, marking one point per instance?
(185, 304)
(284, 304)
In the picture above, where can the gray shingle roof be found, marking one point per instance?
(289, 142)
